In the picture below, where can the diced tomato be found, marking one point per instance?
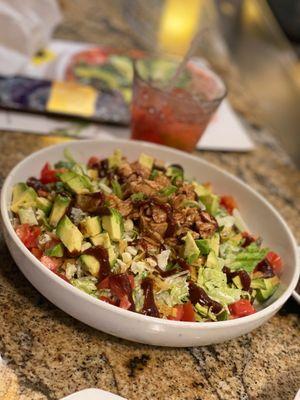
(177, 313)
(125, 303)
(51, 263)
(183, 312)
(229, 203)
(104, 284)
(131, 280)
(93, 161)
(37, 252)
(275, 261)
(116, 289)
(48, 175)
(241, 308)
(188, 312)
(28, 234)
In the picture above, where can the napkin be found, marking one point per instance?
(225, 132)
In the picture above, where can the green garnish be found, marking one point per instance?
(116, 188)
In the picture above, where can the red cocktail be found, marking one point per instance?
(177, 116)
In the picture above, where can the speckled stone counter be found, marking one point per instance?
(47, 354)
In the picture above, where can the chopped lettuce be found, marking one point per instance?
(177, 290)
(138, 297)
(87, 284)
(247, 258)
(116, 187)
(168, 191)
(214, 282)
(239, 222)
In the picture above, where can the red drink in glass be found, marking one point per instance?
(175, 117)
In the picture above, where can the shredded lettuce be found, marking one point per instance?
(247, 258)
(138, 297)
(214, 282)
(87, 284)
(137, 196)
(167, 191)
(116, 187)
(177, 292)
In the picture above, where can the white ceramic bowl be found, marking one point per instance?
(261, 217)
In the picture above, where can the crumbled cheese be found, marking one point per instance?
(138, 267)
(70, 271)
(39, 214)
(151, 262)
(44, 238)
(126, 257)
(121, 263)
(128, 225)
(128, 238)
(132, 250)
(162, 259)
(79, 270)
(77, 215)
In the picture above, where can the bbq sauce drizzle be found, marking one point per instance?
(149, 307)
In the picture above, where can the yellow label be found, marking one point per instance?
(43, 56)
(72, 98)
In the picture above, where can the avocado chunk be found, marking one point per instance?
(212, 261)
(44, 204)
(111, 255)
(203, 246)
(55, 251)
(175, 172)
(191, 251)
(200, 190)
(211, 202)
(115, 160)
(91, 264)
(205, 312)
(113, 224)
(27, 216)
(92, 174)
(90, 226)
(59, 209)
(146, 161)
(75, 182)
(271, 284)
(258, 283)
(214, 243)
(18, 189)
(237, 281)
(102, 239)
(22, 196)
(69, 234)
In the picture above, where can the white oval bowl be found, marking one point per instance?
(261, 217)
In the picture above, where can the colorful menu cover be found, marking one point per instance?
(73, 79)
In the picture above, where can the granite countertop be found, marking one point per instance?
(47, 354)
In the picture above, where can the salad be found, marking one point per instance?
(142, 236)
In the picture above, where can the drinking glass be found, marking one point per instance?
(171, 107)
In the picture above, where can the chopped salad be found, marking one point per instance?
(142, 236)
